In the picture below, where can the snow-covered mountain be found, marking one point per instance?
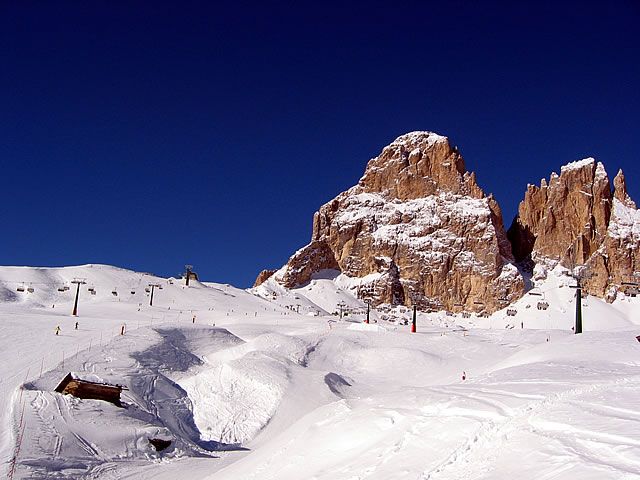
(576, 219)
(416, 230)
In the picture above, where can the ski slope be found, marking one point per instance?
(267, 384)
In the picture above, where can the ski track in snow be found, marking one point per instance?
(477, 455)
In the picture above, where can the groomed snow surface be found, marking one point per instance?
(268, 384)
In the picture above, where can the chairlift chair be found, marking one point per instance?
(61, 289)
(133, 292)
(30, 290)
(114, 292)
(20, 288)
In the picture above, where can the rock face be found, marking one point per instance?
(263, 276)
(305, 262)
(576, 220)
(565, 219)
(416, 229)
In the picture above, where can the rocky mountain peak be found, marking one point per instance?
(416, 165)
(416, 229)
(564, 219)
(620, 190)
(577, 220)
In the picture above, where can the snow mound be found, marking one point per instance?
(233, 401)
(367, 327)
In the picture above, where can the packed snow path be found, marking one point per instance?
(267, 393)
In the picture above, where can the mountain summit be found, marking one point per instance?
(416, 230)
(576, 219)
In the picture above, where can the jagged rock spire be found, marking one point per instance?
(620, 190)
(566, 218)
(577, 220)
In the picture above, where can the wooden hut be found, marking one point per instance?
(90, 390)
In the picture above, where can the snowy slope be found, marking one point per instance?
(30, 349)
(251, 388)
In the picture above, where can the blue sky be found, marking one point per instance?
(153, 134)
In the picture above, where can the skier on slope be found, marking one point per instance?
(57, 329)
